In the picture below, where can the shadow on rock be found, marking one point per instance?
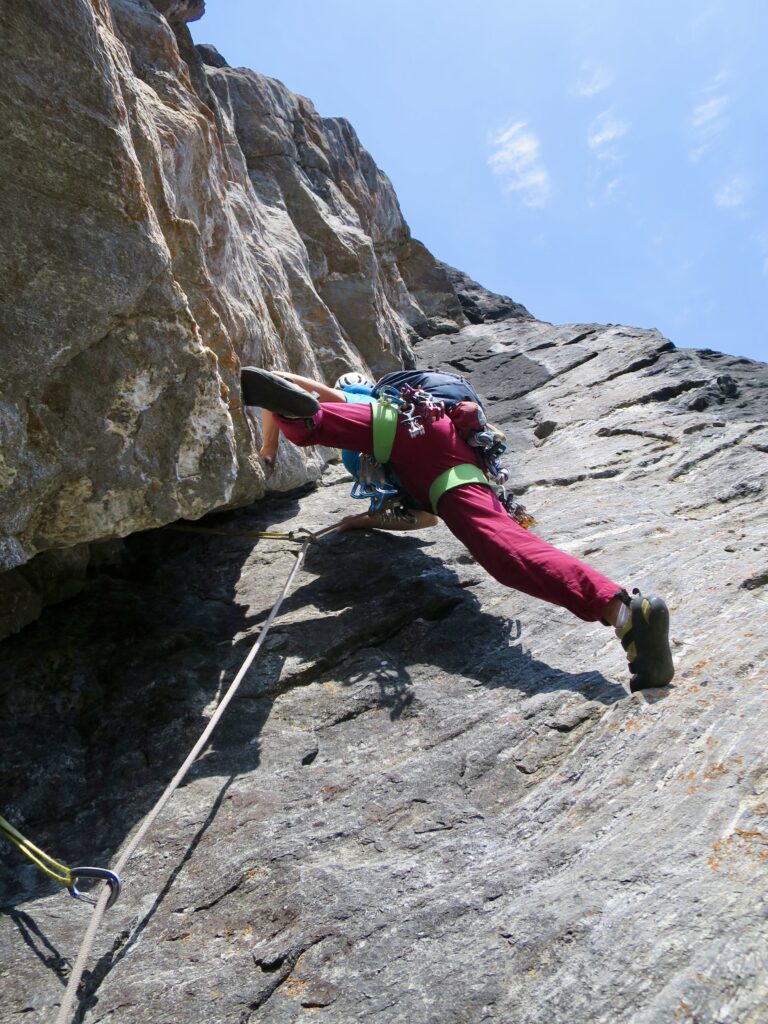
(392, 597)
(105, 696)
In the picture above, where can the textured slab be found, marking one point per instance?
(433, 799)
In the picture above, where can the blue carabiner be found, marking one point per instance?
(391, 395)
(98, 873)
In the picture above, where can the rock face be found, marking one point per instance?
(432, 800)
(478, 304)
(162, 224)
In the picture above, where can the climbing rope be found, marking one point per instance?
(67, 1004)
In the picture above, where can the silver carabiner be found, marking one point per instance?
(101, 874)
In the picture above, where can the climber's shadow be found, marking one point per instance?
(392, 594)
(102, 698)
(107, 694)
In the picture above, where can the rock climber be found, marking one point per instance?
(397, 511)
(440, 470)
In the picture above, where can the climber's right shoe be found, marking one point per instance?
(645, 638)
(268, 391)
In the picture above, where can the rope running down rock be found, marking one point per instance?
(67, 1005)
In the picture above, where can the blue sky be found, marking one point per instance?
(594, 159)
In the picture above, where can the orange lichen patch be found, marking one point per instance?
(735, 851)
(761, 809)
(294, 986)
(758, 836)
(624, 781)
(712, 771)
(683, 1011)
(703, 978)
(711, 741)
(228, 357)
(247, 933)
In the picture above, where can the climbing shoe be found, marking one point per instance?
(645, 638)
(268, 391)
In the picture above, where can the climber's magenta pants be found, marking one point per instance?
(512, 555)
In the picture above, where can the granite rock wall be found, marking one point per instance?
(433, 799)
(166, 221)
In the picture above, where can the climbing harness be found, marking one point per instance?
(386, 413)
(417, 408)
(456, 476)
(104, 900)
(68, 877)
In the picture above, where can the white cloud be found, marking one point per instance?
(708, 113)
(593, 80)
(734, 192)
(612, 188)
(517, 161)
(605, 130)
(708, 118)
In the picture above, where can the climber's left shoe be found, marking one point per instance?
(268, 391)
(645, 638)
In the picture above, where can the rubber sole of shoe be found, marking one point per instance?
(268, 391)
(647, 644)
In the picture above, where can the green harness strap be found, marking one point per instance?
(385, 418)
(456, 476)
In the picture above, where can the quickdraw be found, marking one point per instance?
(298, 536)
(65, 876)
(372, 483)
(418, 407)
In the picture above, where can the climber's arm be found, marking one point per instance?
(270, 439)
(270, 430)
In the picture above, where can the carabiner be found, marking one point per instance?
(99, 873)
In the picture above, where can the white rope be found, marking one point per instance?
(67, 1004)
